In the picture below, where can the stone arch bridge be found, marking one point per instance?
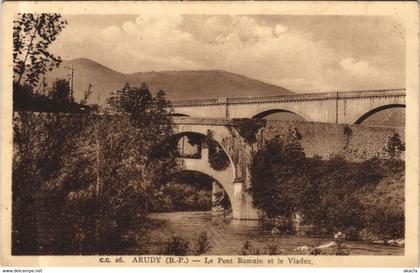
(333, 107)
(353, 142)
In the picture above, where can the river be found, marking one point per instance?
(228, 235)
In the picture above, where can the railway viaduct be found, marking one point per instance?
(333, 107)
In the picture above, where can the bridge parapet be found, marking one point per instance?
(292, 98)
(330, 107)
(201, 121)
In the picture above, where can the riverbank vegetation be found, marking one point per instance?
(81, 181)
(184, 191)
(180, 246)
(364, 199)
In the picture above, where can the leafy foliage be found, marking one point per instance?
(201, 244)
(179, 246)
(32, 35)
(150, 127)
(328, 193)
(248, 128)
(60, 92)
(395, 146)
(195, 142)
(387, 224)
(25, 99)
(275, 178)
(44, 217)
(249, 249)
(273, 248)
(80, 181)
(181, 196)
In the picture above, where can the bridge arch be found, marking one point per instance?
(376, 110)
(181, 132)
(203, 172)
(225, 177)
(269, 111)
(217, 136)
(234, 178)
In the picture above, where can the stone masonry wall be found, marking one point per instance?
(353, 142)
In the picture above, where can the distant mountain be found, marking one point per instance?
(178, 85)
(393, 117)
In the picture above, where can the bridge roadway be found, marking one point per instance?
(351, 107)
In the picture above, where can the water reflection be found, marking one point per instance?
(229, 235)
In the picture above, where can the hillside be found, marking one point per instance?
(176, 84)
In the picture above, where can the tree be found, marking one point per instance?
(87, 94)
(149, 130)
(395, 146)
(47, 160)
(60, 92)
(81, 181)
(276, 178)
(32, 35)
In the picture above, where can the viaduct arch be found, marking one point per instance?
(377, 110)
(178, 115)
(269, 111)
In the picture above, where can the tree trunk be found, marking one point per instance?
(28, 51)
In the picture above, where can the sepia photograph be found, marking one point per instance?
(235, 135)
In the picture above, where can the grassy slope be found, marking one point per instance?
(387, 194)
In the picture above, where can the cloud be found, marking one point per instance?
(279, 29)
(286, 54)
(359, 68)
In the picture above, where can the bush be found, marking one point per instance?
(395, 146)
(248, 128)
(314, 247)
(315, 252)
(340, 250)
(276, 186)
(25, 98)
(386, 224)
(183, 191)
(273, 248)
(80, 181)
(249, 249)
(177, 246)
(334, 194)
(201, 244)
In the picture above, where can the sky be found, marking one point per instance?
(301, 53)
